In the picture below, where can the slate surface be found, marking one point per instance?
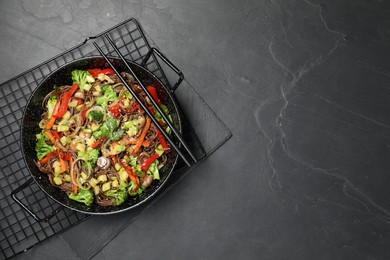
(304, 87)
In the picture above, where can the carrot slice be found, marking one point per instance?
(75, 189)
(132, 174)
(115, 159)
(62, 162)
(142, 136)
(146, 143)
(50, 123)
(50, 136)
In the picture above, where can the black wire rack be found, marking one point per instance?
(19, 230)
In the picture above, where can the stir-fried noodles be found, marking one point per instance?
(97, 144)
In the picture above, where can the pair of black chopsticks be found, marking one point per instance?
(144, 107)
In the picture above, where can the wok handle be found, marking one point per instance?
(19, 189)
(168, 62)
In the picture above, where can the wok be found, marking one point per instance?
(30, 128)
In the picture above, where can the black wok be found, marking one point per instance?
(30, 128)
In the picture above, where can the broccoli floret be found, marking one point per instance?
(93, 155)
(107, 129)
(50, 105)
(153, 168)
(109, 95)
(83, 196)
(132, 187)
(89, 156)
(42, 148)
(96, 115)
(84, 78)
(120, 194)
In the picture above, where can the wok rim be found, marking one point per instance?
(161, 183)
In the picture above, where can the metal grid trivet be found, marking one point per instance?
(19, 231)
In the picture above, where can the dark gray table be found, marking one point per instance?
(304, 88)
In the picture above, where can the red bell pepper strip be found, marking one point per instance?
(73, 89)
(95, 72)
(63, 107)
(99, 142)
(57, 135)
(45, 159)
(67, 156)
(153, 92)
(149, 161)
(134, 107)
(65, 98)
(115, 109)
(84, 113)
(163, 142)
(151, 109)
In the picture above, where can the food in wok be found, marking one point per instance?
(96, 142)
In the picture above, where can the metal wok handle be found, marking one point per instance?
(19, 189)
(168, 62)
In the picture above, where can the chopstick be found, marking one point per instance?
(144, 107)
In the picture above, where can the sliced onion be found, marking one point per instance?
(75, 182)
(77, 118)
(42, 124)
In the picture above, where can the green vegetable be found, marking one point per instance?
(73, 104)
(109, 95)
(65, 140)
(132, 187)
(107, 129)
(42, 148)
(97, 134)
(120, 194)
(159, 150)
(89, 156)
(62, 128)
(164, 109)
(133, 160)
(57, 180)
(153, 169)
(93, 155)
(116, 135)
(106, 186)
(119, 148)
(82, 77)
(83, 196)
(111, 123)
(96, 115)
(136, 166)
(125, 94)
(50, 105)
(168, 130)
